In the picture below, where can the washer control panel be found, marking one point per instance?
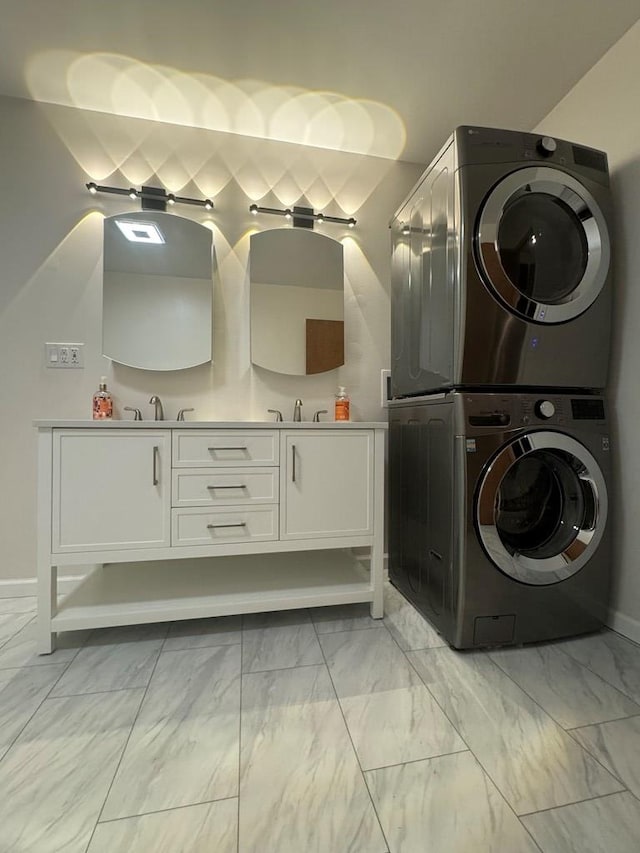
(490, 412)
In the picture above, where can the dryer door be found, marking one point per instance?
(541, 507)
(542, 244)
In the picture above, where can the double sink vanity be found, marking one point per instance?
(182, 520)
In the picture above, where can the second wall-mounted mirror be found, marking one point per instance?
(297, 301)
(157, 291)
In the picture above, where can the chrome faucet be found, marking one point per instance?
(158, 414)
(297, 411)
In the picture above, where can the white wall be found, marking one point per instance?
(51, 274)
(603, 110)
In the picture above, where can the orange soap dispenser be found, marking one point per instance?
(102, 402)
(342, 405)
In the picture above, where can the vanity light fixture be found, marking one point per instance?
(302, 213)
(152, 198)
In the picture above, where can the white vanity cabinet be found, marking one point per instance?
(186, 521)
(326, 481)
(110, 490)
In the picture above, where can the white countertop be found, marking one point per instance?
(131, 424)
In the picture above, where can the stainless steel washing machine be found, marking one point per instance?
(498, 514)
(501, 267)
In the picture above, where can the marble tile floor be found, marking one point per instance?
(320, 731)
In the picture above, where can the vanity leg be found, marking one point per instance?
(377, 548)
(47, 605)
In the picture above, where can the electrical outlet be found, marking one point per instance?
(64, 355)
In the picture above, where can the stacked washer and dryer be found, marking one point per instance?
(498, 433)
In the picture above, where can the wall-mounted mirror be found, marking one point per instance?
(157, 291)
(297, 301)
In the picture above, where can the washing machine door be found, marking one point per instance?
(541, 507)
(542, 244)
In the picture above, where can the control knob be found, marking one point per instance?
(547, 146)
(545, 409)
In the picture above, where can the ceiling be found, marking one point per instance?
(386, 78)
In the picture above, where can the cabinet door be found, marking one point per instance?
(111, 489)
(326, 484)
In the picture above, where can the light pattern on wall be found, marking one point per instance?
(120, 85)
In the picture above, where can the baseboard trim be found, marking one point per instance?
(21, 587)
(625, 625)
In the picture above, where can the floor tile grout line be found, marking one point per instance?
(43, 700)
(593, 672)
(482, 767)
(163, 811)
(282, 668)
(602, 723)
(124, 749)
(533, 699)
(353, 746)
(455, 728)
(551, 717)
(239, 740)
(98, 692)
(576, 803)
(575, 741)
(21, 628)
(164, 651)
(417, 760)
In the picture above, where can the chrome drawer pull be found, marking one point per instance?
(213, 449)
(213, 526)
(240, 486)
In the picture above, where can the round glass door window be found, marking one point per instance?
(541, 508)
(543, 245)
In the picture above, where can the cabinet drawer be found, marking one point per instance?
(224, 448)
(226, 487)
(195, 526)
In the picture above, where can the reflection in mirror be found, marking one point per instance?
(297, 301)
(157, 292)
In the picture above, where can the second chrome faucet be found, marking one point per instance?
(158, 414)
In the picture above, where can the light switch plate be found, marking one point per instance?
(67, 356)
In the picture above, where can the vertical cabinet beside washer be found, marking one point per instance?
(326, 483)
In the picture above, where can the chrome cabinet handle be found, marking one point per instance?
(239, 486)
(226, 448)
(293, 463)
(156, 453)
(213, 526)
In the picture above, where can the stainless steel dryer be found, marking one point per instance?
(498, 514)
(501, 267)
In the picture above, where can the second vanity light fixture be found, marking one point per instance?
(303, 216)
(152, 197)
